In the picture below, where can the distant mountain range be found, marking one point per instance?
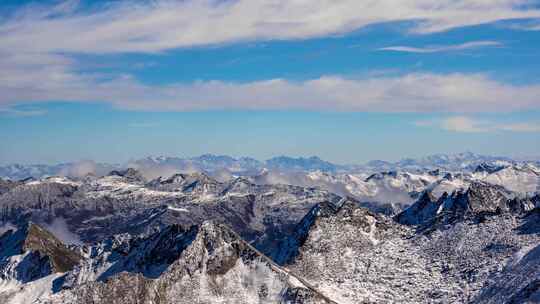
(166, 166)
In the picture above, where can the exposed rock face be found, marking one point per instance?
(129, 174)
(217, 267)
(40, 240)
(488, 168)
(423, 210)
(29, 254)
(357, 256)
(478, 201)
(100, 208)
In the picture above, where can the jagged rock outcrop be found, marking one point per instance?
(216, 267)
(423, 210)
(478, 201)
(31, 252)
(488, 168)
(130, 174)
(358, 256)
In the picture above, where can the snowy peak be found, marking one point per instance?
(239, 185)
(347, 212)
(194, 183)
(480, 199)
(215, 265)
(152, 255)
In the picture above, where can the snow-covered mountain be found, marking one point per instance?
(17, 172)
(224, 167)
(430, 236)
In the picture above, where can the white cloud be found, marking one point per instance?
(153, 26)
(79, 169)
(472, 125)
(36, 65)
(409, 93)
(442, 48)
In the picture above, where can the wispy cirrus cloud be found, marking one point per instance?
(22, 113)
(154, 26)
(442, 48)
(472, 125)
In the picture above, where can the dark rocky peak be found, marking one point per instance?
(239, 185)
(347, 212)
(478, 201)
(216, 264)
(523, 205)
(199, 177)
(197, 182)
(44, 253)
(27, 179)
(421, 211)
(130, 174)
(217, 250)
(177, 178)
(382, 175)
(448, 176)
(200, 182)
(435, 172)
(151, 255)
(488, 168)
(482, 197)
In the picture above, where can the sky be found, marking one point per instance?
(349, 81)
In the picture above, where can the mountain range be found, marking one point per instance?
(275, 236)
(226, 165)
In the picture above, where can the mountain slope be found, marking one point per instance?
(355, 255)
(216, 267)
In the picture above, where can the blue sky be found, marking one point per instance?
(110, 81)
